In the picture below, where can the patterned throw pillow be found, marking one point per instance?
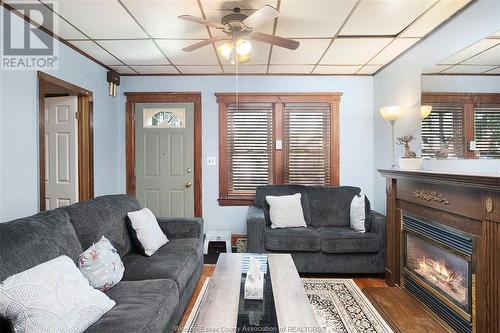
(52, 297)
(101, 265)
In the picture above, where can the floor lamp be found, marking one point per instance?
(392, 113)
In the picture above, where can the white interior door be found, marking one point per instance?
(61, 151)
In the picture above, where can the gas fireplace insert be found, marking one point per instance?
(438, 270)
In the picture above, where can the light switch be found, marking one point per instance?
(279, 144)
(211, 161)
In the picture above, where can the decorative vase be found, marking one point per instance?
(410, 163)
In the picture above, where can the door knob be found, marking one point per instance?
(188, 184)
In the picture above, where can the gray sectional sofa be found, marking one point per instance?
(154, 290)
(328, 244)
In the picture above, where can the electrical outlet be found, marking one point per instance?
(211, 161)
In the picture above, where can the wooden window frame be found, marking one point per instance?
(164, 97)
(85, 136)
(468, 101)
(278, 99)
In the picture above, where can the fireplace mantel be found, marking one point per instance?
(469, 203)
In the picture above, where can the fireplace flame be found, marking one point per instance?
(438, 266)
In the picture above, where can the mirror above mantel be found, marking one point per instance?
(464, 92)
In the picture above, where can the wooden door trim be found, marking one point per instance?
(85, 136)
(164, 97)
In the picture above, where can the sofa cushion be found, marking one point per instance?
(292, 239)
(103, 216)
(177, 260)
(30, 241)
(141, 306)
(331, 206)
(279, 190)
(346, 240)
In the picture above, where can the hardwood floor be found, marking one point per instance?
(400, 311)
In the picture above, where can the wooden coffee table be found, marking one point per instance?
(219, 310)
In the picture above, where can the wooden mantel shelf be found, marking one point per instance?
(485, 181)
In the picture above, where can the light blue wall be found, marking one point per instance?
(461, 83)
(19, 132)
(399, 84)
(356, 128)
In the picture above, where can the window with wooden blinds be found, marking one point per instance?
(445, 123)
(276, 138)
(487, 131)
(249, 147)
(307, 143)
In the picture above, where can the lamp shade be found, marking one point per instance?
(425, 111)
(391, 112)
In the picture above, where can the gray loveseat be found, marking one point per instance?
(327, 245)
(154, 290)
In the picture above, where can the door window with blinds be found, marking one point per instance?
(468, 124)
(276, 139)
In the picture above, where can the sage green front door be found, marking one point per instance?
(164, 157)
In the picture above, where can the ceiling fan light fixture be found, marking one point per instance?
(226, 49)
(243, 47)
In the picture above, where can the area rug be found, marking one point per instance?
(340, 307)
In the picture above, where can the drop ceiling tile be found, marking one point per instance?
(123, 69)
(436, 69)
(488, 57)
(470, 51)
(160, 20)
(155, 69)
(173, 49)
(97, 52)
(258, 54)
(336, 69)
(135, 52)
(320, 18)
(394, 49)
(369, 69)
(496, 34)
(464, 69)
(216, 9)
(384, 17)
(277, 69)
(434, 17)
(200, 69)
(308, 52)
(493, 71)
(246, 69)
(353, 51)
(100, 18)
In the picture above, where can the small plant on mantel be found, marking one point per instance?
(410, 161)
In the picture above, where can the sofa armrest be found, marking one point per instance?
(256, 223)
(378, 225)
(179, 227)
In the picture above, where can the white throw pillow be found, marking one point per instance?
(52, 297)
(286, 211)
(358, 215)
(101, 265)
(148, 231)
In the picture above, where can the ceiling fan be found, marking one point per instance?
(239, 28)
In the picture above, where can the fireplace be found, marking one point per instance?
(437, 269)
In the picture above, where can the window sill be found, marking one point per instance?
(235, 201)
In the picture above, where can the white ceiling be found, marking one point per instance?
(480, 58)
(355, 37)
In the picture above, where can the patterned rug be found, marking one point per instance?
(340, 307)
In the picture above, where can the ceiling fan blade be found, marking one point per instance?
(263, 15)
(198, 45)
(275, 40)
(201, 21)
